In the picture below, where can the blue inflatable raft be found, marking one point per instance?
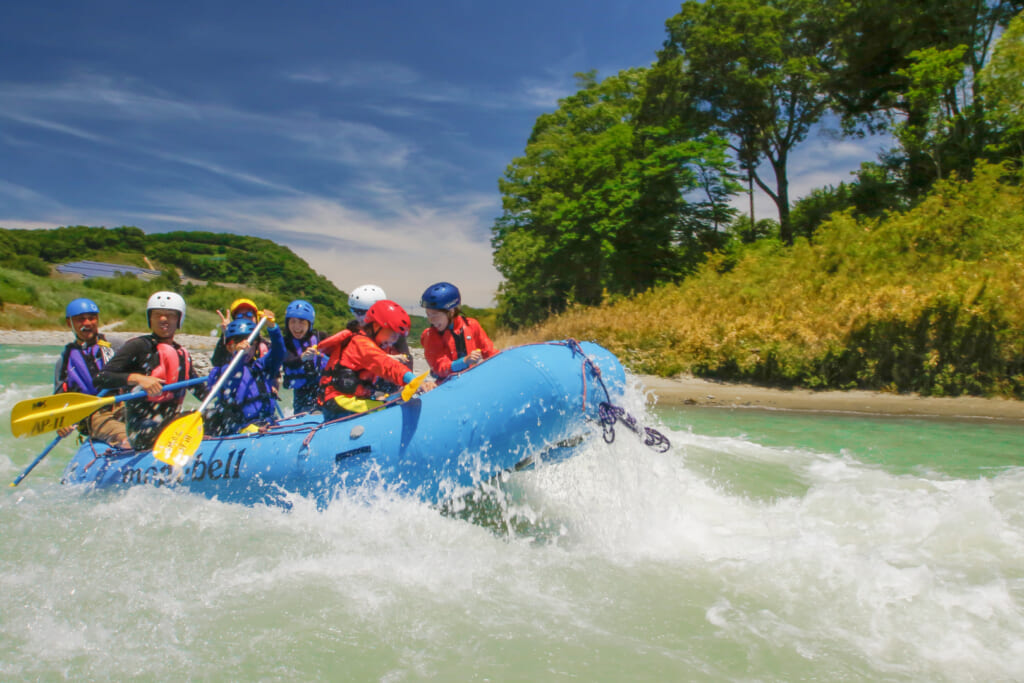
(539, 401)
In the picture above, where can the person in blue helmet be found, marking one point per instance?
(453, 342)
(247, 396)
(80, 363)
(302, 363)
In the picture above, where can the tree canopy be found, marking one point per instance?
(600, 205)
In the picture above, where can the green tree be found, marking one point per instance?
(910, 67)
(759, 68)
(597, 206)
(1002, 84)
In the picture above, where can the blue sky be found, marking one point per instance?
(367, 138)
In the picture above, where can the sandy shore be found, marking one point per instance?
(705, 393)
(689, 390)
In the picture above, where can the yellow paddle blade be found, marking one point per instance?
(179, 440)
(49, 413)
(413, 385)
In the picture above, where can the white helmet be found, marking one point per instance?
(170, 301)
(361, 298)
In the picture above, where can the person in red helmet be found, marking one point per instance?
(357, 359)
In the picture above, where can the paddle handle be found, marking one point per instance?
(168, 387)
(46, 451)
(231, 366)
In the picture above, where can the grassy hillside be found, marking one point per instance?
(218, 268)
(929, 301)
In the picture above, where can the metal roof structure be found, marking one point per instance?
(88, 269)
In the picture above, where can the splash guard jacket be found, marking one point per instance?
(444, 350)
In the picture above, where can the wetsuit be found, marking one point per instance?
(445, 351)
(247, 396)
(145, 417)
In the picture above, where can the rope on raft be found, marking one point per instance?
(609, 413)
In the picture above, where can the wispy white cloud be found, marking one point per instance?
(405, 84)
(403, 252)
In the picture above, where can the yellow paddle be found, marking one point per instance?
(49, 413)
(179, 440)
(409, 389)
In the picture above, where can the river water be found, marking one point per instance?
(763, 546)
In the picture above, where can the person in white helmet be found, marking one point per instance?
(148, 362)
(359, 302)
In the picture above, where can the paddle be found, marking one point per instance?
(179, 440)
(39, 457)
(38, 415)
(409, 389)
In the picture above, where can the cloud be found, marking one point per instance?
(403, 252)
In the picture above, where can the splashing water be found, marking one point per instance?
(765, 547)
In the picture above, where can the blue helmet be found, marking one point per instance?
(80, 306)
(303, 310)
(239, 327)
(443, 296)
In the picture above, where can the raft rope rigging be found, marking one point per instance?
(609, 413)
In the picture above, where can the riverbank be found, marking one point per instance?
(689, 390)
(706, 393)
(61, 337)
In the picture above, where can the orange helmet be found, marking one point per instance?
(388, 314)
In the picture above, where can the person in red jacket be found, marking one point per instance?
(453, 342)
(357, 359)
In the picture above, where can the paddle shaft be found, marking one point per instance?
(167, 387)
(231, 366)
(37, 415)
(46, 451)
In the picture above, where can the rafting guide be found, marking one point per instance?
(80, 363)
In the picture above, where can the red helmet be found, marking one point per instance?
(388, 314)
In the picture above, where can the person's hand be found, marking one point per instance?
(428, 385)
(224, 319)
(64, 431)
(269, 315)
(474, 357)
(153, 386)
(310, 352)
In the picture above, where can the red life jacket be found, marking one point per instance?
(175, 366)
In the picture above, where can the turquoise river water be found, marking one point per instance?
(763, 546)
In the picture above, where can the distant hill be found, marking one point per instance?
(217, 268)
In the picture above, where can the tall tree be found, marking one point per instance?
(910, 66)
(597, 205)
(760, 68)
(1003, 87)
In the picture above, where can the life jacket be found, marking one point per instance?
(246, 397)
(345, 380)
(175, 365)
(79, 366)
(300, 372)
(460, 338)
